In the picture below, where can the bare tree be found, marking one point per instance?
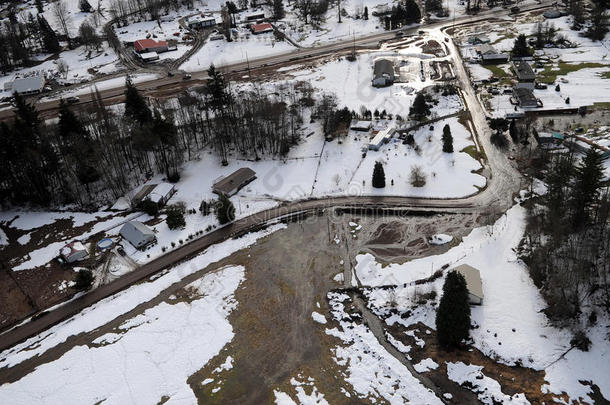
(60, 11)
(63, 68)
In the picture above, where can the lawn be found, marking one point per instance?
(549, 74)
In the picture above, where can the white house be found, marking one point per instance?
(162, 193)
(73, 252)
(382, 137)
(473, 282)
(138, 234)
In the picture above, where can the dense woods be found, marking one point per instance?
(567, 243)
(95, 156)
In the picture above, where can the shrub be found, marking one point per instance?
(581, 341)
(84, 280)
(453, 314)
(149, 207)
(175, 217)
(225, 211)
(418, 177)
(378, 176)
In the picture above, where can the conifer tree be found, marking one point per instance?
(278, 9)
(135, 105)
(588, 178)
(225, 211)
(447, 139)
(453, 314)
(378, 176)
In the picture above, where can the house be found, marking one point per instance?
(381, 138)
(550, 14)
(28, 85)
(162, 193)
(549, 138)
(473, 283)
(261, 28)
(231, 184)
(364, 126)
(74, 252)
(524, 72)
(383, 73)
(484, 49)
(199, 22)
(148, 57)
(138, 234)
(150, 45)
(525, 97)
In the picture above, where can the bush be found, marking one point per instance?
(84, 280)
(418, 177)
(149, 207)
(453, 315)
(225, 211)
(175, 218)
(205, 208)
(581, 341)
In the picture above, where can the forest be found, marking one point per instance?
(93, 156)
(567, 243)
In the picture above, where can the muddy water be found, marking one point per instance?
(287, 277)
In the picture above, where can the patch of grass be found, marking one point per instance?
(508, 35)
(473, 152)
(550, 73)
(497, 71)
(605, 75)
(601, 105)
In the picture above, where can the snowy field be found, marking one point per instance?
(511, 336)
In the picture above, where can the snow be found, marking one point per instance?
(103, 84)
(488, 390)
(148, 361)
(425, 365)
(512, 336)
(318, 317)
(371, 370)
(110, 308)
(440, 239)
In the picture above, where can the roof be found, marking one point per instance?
(148, 43)
(233, 181)
(383, 67)
(485, 49)
(524, 95)
(552, 14)
(72, 248)
(495, 56)
(144, 192)
(361, 124)
(478, 38)
(138, 227)
(161, 191)
(261, 27)
(382, 136)
(27, 84)
(524, 71)
(473, 279)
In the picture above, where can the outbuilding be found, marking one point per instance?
(198, 22)
(162, 193)
(364, 126)
(524, 72)
(234, 182)
(473, 282)
(138, 234)
(74, 251)
(148, 57)
(28, 85)
(261, 28)
(383, 73)
(381, 138)
(525, 97)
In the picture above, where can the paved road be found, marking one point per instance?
(176, 84)
(497, 197)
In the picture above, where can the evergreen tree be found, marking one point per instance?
(599, 24)
(420, 109)
(135, 105)
(513, 131)
(225, 211)
(378, 176)
(447, 139)
(520, 47)
(588, 178)
(175, 218)
(366, 13)
(278, 9)
(39, 6)
(453, 314)
(84, 6)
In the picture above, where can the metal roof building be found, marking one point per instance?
(138, 234)
(231, 184)
(383, 73)
(473, 282)
(29, 85)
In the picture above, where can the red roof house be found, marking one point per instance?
(150, 45)
(261, 28)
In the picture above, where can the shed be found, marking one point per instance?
(361, 125)
(138, 234)
(149, 56)
(478, 39)
(484, 49)
(143, 194)
(162, 193)
(29, 85)
(198, 22)
(383, 73)
(524, 71)
(254, 17)
(493, 58)
(231, 184)
(74, 251)
(261, 28)
(473, 282)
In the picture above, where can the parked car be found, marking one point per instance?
(72, 99)
(186, 76)
(514, 9)
(540, 86)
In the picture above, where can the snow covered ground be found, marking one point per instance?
(524, 335)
